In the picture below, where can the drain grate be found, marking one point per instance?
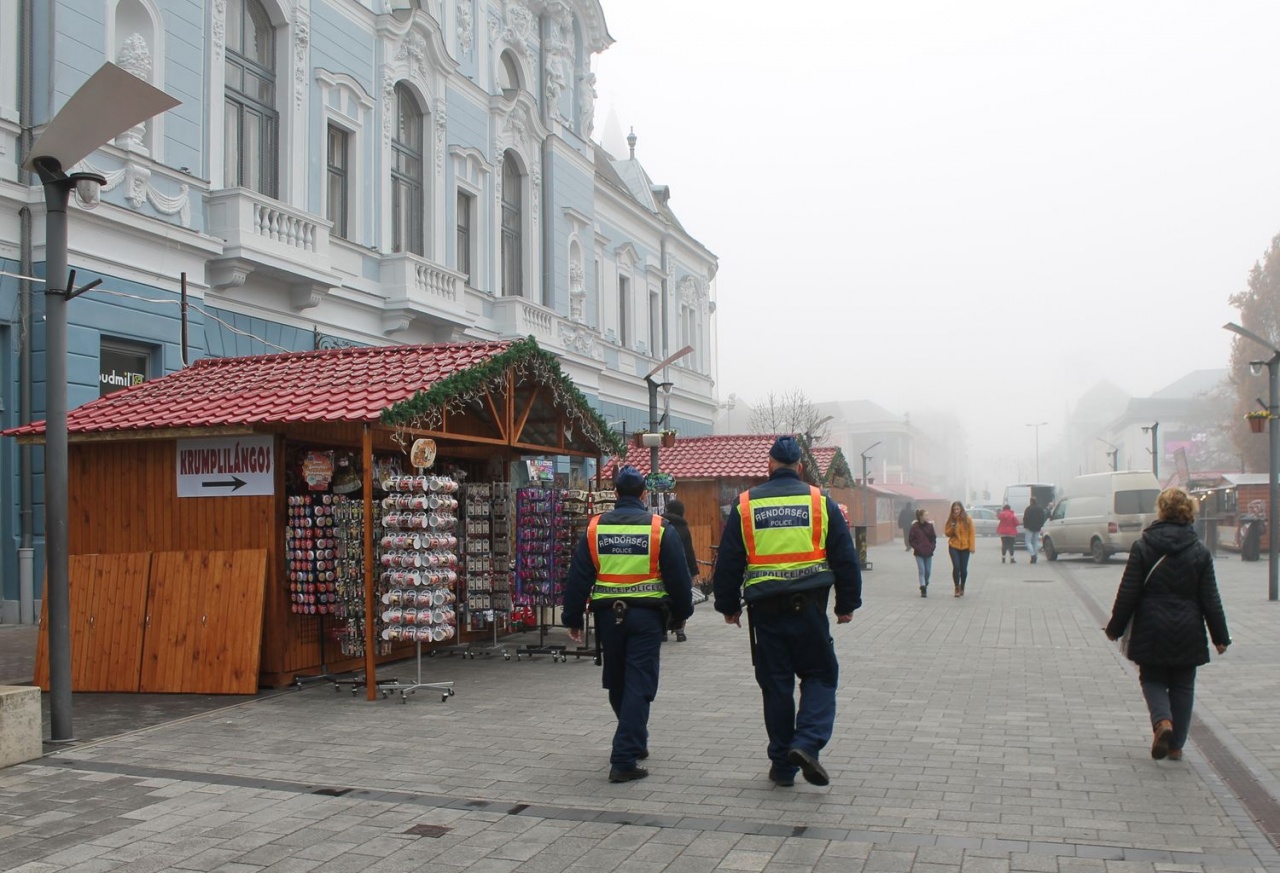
(332, 792)
(426, 830)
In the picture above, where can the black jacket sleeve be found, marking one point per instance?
(731, 566)
(842, 556)
(578, 584)
(1129, 592)
(1211, 606)
(675, 574)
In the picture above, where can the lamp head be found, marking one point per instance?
(1256, 367)
(88, 188)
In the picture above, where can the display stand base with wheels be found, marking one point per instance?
(407, 688)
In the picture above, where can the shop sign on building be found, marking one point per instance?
(229, 466)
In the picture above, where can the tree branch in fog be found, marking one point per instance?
(790, 412)
(1259, 307)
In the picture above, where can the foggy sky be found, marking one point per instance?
(986, 206)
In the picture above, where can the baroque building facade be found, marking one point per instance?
(339, 172)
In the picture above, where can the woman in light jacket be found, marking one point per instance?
(961, 542)
(923, 540)
(1170, 593)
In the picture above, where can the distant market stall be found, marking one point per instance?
(711, 471)
(247, 520)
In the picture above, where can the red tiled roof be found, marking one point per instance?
(824, 455)
(325, 386)
(715, 457)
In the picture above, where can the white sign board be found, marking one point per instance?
(231, 466)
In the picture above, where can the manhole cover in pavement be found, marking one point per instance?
(426, 830)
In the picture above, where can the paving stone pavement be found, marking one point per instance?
(995, 732)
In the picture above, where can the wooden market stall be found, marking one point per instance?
(184, 490)
(711, 471)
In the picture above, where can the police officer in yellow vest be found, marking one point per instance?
(784, 546)
(633, 570)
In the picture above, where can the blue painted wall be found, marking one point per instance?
(184, 72)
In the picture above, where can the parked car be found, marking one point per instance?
(984, 521)
(1101, 514)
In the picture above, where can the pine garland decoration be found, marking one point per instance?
(425, 409)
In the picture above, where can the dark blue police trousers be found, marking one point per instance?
(630, 673)
(791, 644)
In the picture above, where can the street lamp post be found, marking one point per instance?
(866, 485)
(1273, 434)
(1154, 430)
(655, 439)
(1113, 455)
(1037, 426)
(108, 104)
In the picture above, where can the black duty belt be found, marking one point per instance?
(780, 604)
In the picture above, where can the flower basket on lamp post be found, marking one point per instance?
(668, 438)
(1258, 420)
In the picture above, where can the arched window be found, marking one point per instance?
(512, 253)
(406, 175)
(252, 123)
(508, 73)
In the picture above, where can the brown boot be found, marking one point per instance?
(1175, 754)
(957, 594)
(1163, 733)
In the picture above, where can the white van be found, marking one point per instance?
(1101, 514)
(1019, 497)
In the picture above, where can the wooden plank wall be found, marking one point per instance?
(124, 498)
(702, 511)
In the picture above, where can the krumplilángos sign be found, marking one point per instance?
(226, 467)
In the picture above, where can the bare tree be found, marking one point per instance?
(791, 412)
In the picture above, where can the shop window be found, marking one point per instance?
(122, 364)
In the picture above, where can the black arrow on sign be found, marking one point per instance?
(235, 484)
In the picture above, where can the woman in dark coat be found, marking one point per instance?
(923, 541)
(1169, 591)
(675, 517)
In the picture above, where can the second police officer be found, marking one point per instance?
(633, 569)
(784, 546)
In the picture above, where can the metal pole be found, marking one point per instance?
(866, 498)
(653, 422)
(1155, 457)
(1273, 496)
(57, 191)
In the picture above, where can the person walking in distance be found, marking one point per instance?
(674, 516)
(785, 545)
(906, 517)
(924, 541)
(1007, 530)
(1167, 595)
(1032, 522)
(961, 542)
(633, 569)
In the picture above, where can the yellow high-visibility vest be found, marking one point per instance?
(785, 538)
(626, 559)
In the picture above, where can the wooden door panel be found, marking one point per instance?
(107, 597)
(205, 632)
(113, 592)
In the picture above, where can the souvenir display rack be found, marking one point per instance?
(485, 530)
(312, 547)
(540, 565)
(418, 557)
